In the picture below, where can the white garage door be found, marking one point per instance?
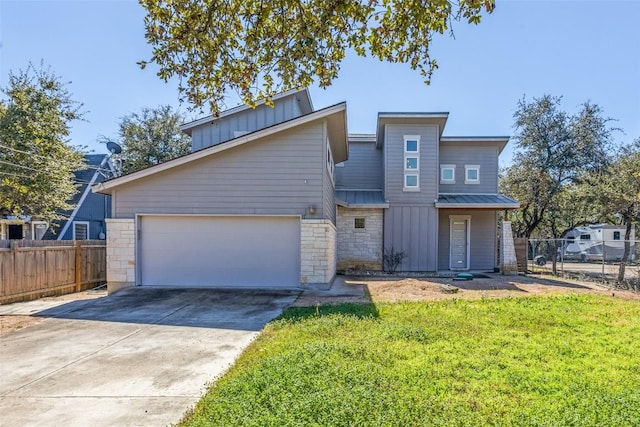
(197, 251)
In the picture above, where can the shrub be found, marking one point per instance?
(392, 259)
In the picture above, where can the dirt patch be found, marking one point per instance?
(10, 322)
(384, 289)
(496, 286)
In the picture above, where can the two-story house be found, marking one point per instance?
(412, 190)
(278, 197)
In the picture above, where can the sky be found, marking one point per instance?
(580, 50)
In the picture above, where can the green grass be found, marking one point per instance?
(554, 361)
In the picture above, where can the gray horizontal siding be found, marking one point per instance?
(277, 175)
(363, 170)
(482, 251)
(250, 120)
(394, 168)
(328, 191)
(485, 157)
(412, 230)
(329, 199)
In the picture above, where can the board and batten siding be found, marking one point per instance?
(394, 167)
(363, 170)
(460, 155)
(414, 231)
(483, 239)
(281, 174)
(250, 120)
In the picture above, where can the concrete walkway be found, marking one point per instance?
(140, 357)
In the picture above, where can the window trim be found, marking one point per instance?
(407, 138)
(412, 187)
(444, 180)
(409, 155)
(410, 170)
(73, 228)
(468, 168)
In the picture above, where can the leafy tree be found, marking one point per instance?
(153, 136)
(555, 150)
(36, 164)
(260, 47)
(618, 190)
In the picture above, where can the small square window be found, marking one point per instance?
(447, 174)
(411, 163)
(358, 223)
(616, 235)
(411, 146)
(471, 174)
(411, 181)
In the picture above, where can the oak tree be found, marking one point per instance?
(618, 191)
(36, 161)
(152, 136)
(260, 47)
(554, 150)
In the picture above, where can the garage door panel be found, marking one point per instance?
(220, 251)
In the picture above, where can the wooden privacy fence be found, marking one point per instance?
(521, 245)
(31, 269)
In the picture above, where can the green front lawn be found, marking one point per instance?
(547, 361)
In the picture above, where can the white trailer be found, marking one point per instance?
(595, 242)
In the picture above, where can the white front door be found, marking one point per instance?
(459, 243)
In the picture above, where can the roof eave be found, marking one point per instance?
(502, 141)
(348, 205)
(438, 118)
(477, 205)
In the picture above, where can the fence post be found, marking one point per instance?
(603, 257)
(78, 264)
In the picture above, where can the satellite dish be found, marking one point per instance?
(113, 147)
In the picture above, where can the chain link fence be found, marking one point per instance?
(597, 260)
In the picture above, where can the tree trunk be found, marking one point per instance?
(627, 250)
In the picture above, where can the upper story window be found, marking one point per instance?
(447, 174)
(616, 235)
(331, 167)
(471, 174)
(411, 163)
(80, 230)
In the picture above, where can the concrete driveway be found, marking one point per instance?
(140, 357)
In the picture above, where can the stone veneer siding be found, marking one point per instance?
(121, 254)
(509, 262)
(359, 248)
(317, 251)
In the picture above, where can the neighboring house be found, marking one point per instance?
(279, 197)
(87, 219)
